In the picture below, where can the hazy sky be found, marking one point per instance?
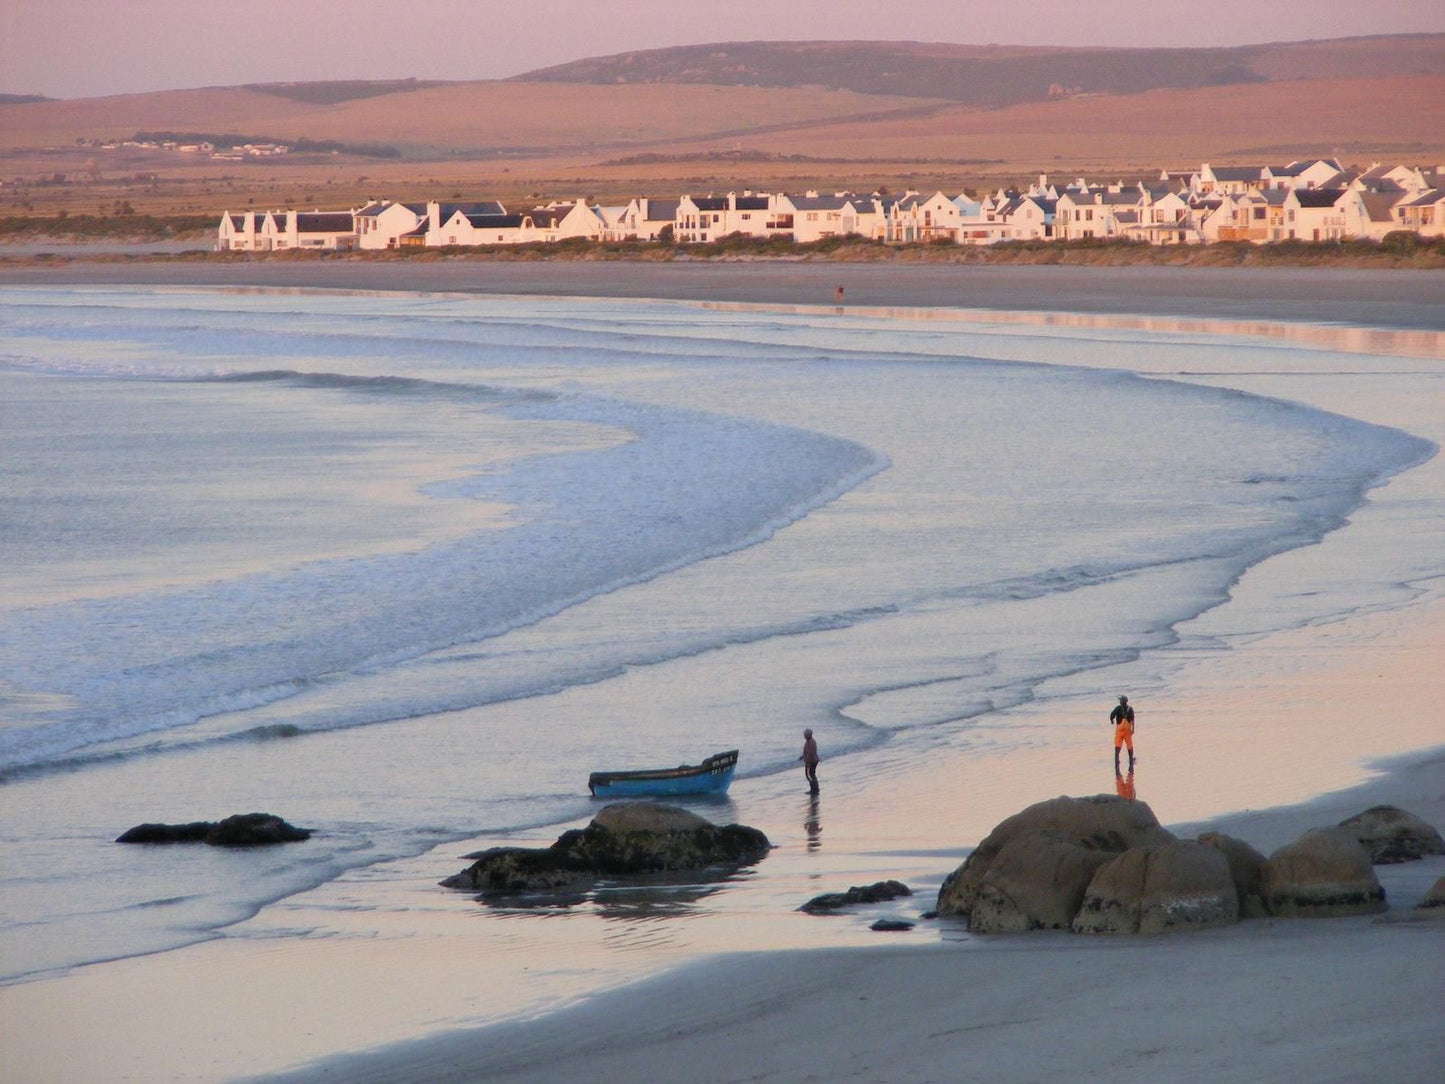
(80, 48)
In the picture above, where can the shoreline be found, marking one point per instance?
(931, 1007)
(1392, 299)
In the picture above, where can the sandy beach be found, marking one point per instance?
(755, 992)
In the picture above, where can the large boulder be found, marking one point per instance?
(240, 830)
(628, 839)
(1433, 905)
(1245, 865)
(1035, 882)
(1183, 885)
(1104, 823)
(1390, 835)
(1324, 873)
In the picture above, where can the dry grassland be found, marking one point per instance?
(528, 141)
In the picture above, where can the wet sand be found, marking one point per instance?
(1390, 299)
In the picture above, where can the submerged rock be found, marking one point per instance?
(1391, 834)
(891, 925)
(878, 892)
(1096, 827)
(240, 830)
(627, 839)
(1324, 873)
(1183, 885)
(1433, 905)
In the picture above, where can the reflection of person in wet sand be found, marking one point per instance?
(1124, 784)
(812, 825)
(810, 761)
(838, 295)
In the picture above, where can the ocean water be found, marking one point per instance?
(405, 568)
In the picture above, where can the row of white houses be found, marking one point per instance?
(1311, 200)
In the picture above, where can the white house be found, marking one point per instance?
(1229, 180)
(1084, 215)
(381, 224)
(923, 218)
(237, 232)
(815, 217)
(1303, 174)
(1165, 219)
(1424, 213)
(1318, 215)
(645, 218)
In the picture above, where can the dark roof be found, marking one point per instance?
(495, 222)
(546, 217)
(710, 203)
(476, 207)
(662, 210)
(819, 203)
(752, 203)
(324, 222)
(1317, 197)
(238, 222)
(1236, 173)
(1380, 208)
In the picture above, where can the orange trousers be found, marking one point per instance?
(1124, 735)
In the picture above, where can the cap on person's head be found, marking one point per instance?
(1123, 699)
(807, 733)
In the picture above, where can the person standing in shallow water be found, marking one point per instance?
(1123, 719)
(810, 761)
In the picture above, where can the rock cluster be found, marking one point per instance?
(241, 830)
(1105, 865)
(628, 839)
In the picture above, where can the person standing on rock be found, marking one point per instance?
(810, 761)
(1123, 719)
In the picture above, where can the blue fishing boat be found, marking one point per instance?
(712, 776)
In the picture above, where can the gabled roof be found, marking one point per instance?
(324, 222)
(1425, 199)
(1236, 173)
(662, 210)
(495, 222)
(823, 203)
(475, 207)
(1317, 197)
(710, 203)
(1378, 206)
(751, 203)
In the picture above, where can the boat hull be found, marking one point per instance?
(712, 776)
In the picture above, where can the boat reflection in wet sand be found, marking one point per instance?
(712, 776)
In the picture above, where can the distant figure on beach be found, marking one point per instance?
(810, 761)
(838, 295)
(1123, 719)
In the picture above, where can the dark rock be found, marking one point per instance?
(195, 832)
(241, 830)
(1323, 873)
(891, 925)
(874, 893)
(628, 839)
(1184, 885)
(254, 830)
(1102, 823)
(1392, 835)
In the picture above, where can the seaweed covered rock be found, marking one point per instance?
(878, 892)
(627, 839)
(1391, 834)
(1102, 825)
(1183, 885)
(240, 830)
(1324, 873)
